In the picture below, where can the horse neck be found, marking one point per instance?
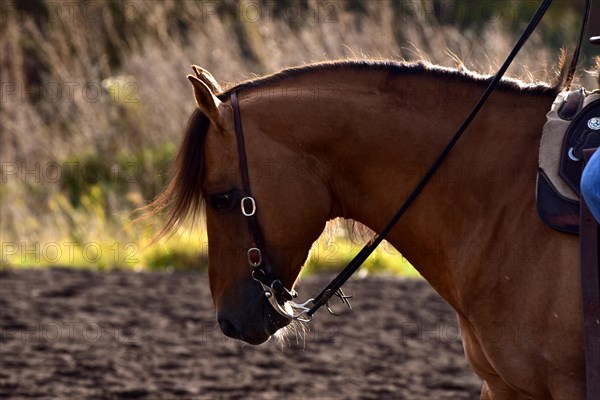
(373, 145)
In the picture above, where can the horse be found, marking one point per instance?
(350, 139)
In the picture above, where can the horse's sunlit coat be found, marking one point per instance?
(351, 140)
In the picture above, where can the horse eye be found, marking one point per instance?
(221, 201)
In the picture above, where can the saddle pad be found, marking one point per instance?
(583, 133)
(553, 138)
(566, 129)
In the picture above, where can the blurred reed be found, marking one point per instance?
(95, 96)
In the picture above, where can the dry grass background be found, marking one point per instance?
(94, 96)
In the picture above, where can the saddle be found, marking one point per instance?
(572, 126)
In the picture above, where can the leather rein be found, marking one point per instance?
(280, 298)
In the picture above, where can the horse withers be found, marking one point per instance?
(351, 139)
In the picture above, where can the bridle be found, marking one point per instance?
(281, 298)
(262, 272)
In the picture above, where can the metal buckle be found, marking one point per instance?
(252, 204)
(249, 255)
(344, 298)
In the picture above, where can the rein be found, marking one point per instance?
(280, 297)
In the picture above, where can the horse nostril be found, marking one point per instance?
(229, 329)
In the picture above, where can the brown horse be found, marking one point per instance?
(351, 139)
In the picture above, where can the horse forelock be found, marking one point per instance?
(183, 195)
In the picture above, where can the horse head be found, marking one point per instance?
(289, 192)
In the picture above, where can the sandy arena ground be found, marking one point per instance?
(73, 334)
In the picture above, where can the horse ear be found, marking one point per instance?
(207, 78)
(207, 102)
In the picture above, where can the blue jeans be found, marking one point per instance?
(590, 185)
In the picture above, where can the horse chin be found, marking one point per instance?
(273, 325)
(256, 330)
(273, 321)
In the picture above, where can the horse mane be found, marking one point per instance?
(397, 68)
(183, 195)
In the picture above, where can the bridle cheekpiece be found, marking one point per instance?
(280, 298)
